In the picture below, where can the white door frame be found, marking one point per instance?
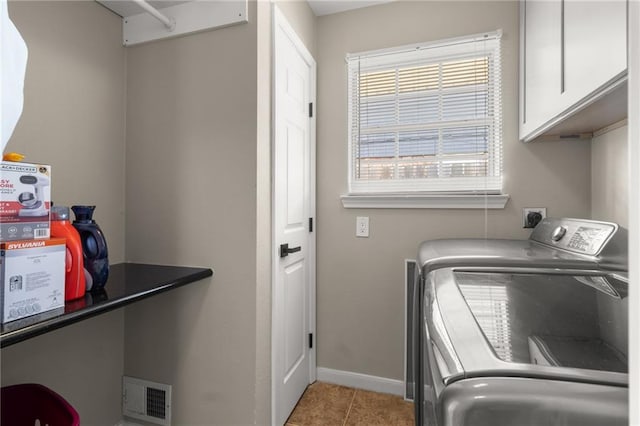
(634, 208)
(279, 20)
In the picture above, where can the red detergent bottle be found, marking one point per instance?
(74, 283)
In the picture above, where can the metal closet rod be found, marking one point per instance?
(168, 22)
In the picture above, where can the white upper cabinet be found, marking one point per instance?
(595, 39)
(573, 53)
(540, 67)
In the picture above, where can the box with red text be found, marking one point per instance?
(25, 201)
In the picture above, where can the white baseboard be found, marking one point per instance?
(361, 381)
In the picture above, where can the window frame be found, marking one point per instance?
(446, 196)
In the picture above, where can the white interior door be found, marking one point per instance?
(293, 212)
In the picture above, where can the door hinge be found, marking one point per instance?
(310, 340)
(310, 224)
(310, 109)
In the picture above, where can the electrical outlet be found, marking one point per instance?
(362, 226)
(531, 216)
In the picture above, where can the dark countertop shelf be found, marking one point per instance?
(128, 283)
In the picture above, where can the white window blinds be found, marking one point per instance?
(490, 307)
(427, 118)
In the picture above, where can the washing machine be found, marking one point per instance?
(523, 332)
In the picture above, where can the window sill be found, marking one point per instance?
(424, 201)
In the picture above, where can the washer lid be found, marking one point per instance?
(449, 253)
(562, 325)
(582, 244)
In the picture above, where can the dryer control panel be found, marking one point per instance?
(575, 235)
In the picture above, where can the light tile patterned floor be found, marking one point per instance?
(324, 404)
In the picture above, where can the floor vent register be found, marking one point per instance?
(145, 400)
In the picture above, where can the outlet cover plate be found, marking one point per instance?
(362, 226)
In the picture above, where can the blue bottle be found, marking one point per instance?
(94, 247)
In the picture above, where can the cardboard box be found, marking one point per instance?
(32, 274)
(25, 201)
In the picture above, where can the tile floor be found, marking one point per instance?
(324, 404)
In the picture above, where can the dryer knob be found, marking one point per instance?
(558, 233)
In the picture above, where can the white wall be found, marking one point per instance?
(610, 177)
(360, 281)
(73, 118)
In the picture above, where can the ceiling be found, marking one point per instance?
(319, 7)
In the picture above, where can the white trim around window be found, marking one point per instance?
(424, 201)
(425, 125)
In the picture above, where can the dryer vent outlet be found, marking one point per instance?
(145, 400)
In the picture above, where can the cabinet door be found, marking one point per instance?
(595, 45)
(541, 61)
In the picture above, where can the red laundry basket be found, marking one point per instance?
(23, 404)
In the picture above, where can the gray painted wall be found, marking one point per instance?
(360, 280)
(191, 162)
(196, 162)
(73, 118)
(610, 177)
(197, 139)
(262, 395)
